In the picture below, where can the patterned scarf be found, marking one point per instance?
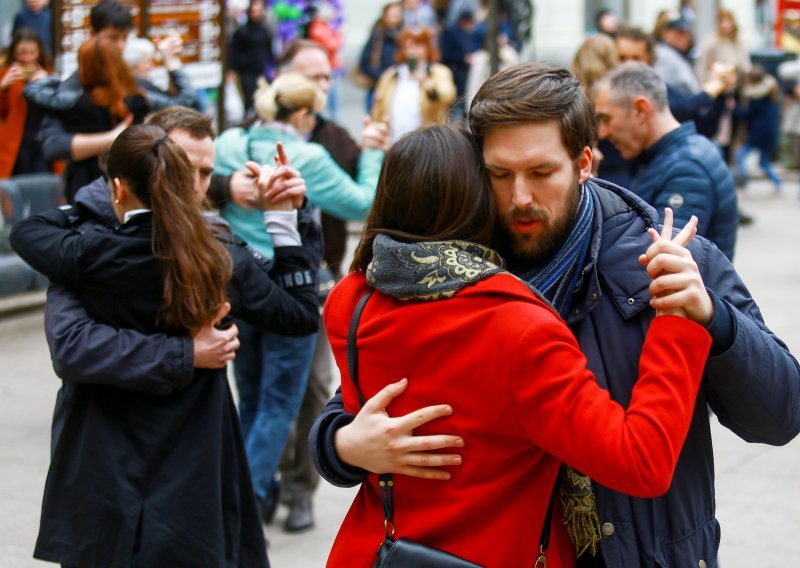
(559, 278)
(437, 270)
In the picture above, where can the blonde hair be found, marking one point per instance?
(288, 93)
(594, 58)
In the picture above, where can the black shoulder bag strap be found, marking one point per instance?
(385, 479)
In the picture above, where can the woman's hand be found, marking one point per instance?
(376, 442)
(14, 74)
(677, 287)
(279, 188)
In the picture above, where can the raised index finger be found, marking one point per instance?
(666, 229)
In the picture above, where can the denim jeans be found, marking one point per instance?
(271, 374)
(763, 161)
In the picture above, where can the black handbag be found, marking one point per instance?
(403, 552)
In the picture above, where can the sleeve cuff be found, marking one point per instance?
(282, 228)
(722, 327)
(346, 475)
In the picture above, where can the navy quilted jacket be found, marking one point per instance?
(685, 171)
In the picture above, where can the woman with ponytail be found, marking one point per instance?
(143, 478)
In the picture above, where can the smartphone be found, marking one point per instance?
(282, 159)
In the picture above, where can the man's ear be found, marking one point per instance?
(642, 107)
(585, 164)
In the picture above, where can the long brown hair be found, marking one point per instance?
(28, 34)
(104, 74)
(197, 267)
(432, 187)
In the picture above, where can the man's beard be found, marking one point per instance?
(523, 252)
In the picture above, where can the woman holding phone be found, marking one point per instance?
(417, 90)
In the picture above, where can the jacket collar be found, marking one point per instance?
(619, 237)
(685, 129)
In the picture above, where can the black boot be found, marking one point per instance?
(301, 515)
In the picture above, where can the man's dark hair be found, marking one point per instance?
(110, 14)
(530, 92)
(197, 124)
(638, 34)
(293, 48)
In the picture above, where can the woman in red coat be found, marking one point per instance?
(20, 150)
(448, 318)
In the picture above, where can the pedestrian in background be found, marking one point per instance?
(35, 14)
(416, 90)
(458, 45)
(272, 369)
(378, 53)
(761, 112)
(678, 167)
(20, 149)
(321, 30)
(251, 52)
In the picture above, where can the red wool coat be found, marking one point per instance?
(13, 110)
(522, 400)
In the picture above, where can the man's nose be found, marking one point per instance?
(522, 195)
(602, 131)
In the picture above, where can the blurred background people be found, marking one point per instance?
(271, 370)
(321, 30)
(251, 52)
(596, 56)
(378, 53)
(480, 68)
(417, 90)
(20, 149)
(725, 47)
(606, 22)
(107, 101)
(458, 45)
(419, 14)
(761, 112)
(674, 40)
(35, 14)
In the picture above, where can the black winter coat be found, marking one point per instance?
(159, 470)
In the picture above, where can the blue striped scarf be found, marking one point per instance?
(558, 279)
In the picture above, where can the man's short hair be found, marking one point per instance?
(638, 34)
(530, 92)
(293, 48)
(110, 14)
(631, 80)
(197, 124)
